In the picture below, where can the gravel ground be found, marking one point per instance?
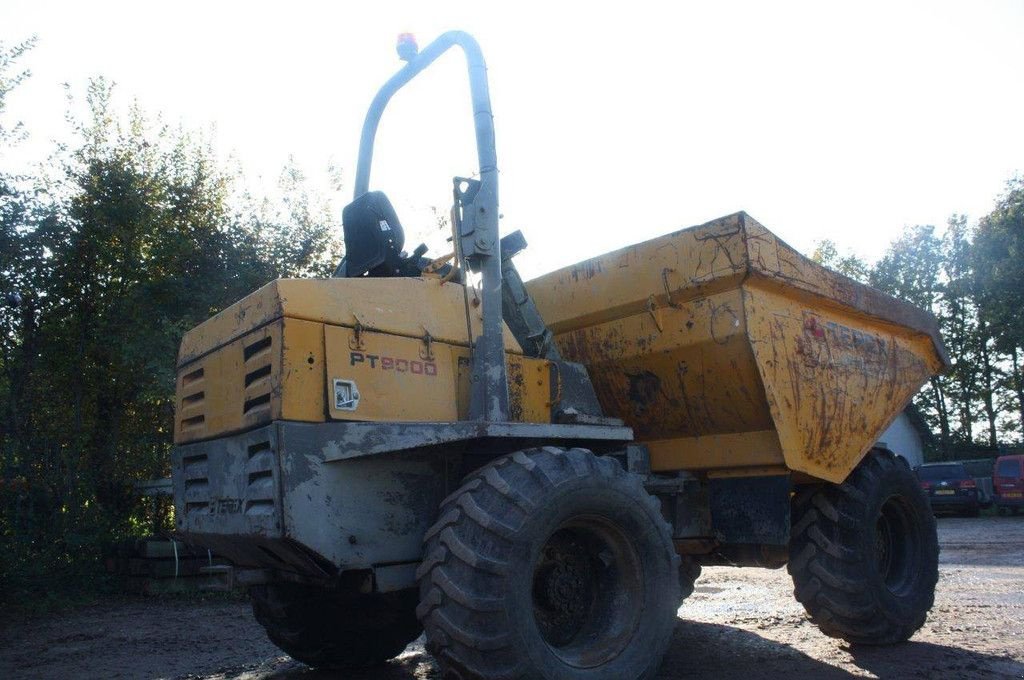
(740, 623)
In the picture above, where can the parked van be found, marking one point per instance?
(1008, 483)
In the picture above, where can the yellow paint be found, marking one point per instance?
(260, 375)
(834, 382)
(533, 397)
(724, 348)
(674, 268)
(399, 381)
(740, 449)
(302, 375)
(284, 368)
(382, 367)
(529, 387)
(720, 345)
(659, 381)
(412, 307)
(212, 393)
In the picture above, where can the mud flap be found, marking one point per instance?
(751, 510)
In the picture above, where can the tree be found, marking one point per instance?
(137, 236)
(18, 256)
(958, 322)
(910, 270)
(826, 253)
(295, 233)
(999, 261)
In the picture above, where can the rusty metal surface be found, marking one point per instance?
(833, 382)
(704, 341)
(677, 372)
(752, 510)
(772, 259)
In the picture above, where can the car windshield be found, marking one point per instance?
(933, 473)
(1008, 468)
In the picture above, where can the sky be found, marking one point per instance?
(615, 122)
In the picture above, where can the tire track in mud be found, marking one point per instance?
(739, 623)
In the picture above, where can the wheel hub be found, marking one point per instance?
(896, 546)
(564, 585)
(586, 591)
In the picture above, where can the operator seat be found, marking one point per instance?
(373, 242)
(374, 238)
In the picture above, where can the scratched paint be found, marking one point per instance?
(723, 330)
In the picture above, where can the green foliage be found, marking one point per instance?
(826, 253)
(910, 268)
(136, 235)
(973, 282)
(998, 257)
(967, 282)
(294, 233)
(10, 78)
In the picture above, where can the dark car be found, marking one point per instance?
(1008, 483)
(949, 488)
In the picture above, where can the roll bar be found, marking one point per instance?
(478, 227)
(478, 90)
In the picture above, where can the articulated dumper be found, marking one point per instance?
(533, 474)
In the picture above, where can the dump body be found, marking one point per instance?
(724, 348)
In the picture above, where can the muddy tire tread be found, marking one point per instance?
(486, 511)
(828, 568)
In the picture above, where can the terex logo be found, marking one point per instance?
(226, 506)
(384, 363)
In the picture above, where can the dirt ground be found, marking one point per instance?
(740, 623)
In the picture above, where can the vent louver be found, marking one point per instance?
(195, 470)
(261, 491)
(191, 407)
(257, 359)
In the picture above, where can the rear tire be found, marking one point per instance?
(321, 629)
(864, 553)
(549, 564)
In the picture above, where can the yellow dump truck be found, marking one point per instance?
(534, 474)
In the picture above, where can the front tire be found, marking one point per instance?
(549, 564)
(321, 629)
(864, 553)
